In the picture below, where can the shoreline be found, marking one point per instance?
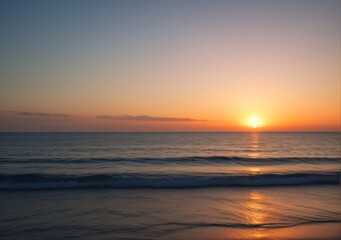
(322, 230)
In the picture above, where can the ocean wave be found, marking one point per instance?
(223, 160)
(131, 180)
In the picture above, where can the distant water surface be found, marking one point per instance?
(165, 160)
(168, 145)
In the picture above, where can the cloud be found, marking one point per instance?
(39, 114)
(113, 117)
(148, 118)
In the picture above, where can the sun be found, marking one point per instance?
(254, 122)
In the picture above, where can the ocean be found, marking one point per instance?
(166, 185)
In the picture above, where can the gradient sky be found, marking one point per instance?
(169, 65)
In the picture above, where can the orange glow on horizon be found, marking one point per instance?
(81, 122)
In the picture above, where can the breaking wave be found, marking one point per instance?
(131, 180)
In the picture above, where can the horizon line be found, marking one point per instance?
(314, 131)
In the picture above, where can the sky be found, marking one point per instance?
(152, 65)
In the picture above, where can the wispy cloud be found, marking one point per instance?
(112, 117)
(148, 118)
(40, 114)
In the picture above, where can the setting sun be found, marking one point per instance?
(225, 114)
(254, 122)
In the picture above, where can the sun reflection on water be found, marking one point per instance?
(254, 170)
(254, 145)
(256, 213)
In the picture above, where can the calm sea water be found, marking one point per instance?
(155, 185)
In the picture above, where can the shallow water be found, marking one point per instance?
(162, 213)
